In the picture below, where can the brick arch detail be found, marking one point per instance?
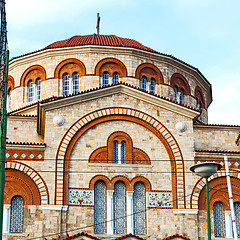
(199, 94)
(185, 84)
(122, 68)
(11, 84)
(69, 61)
(34, 176)
(23, 81)
(159, 80)
(112, 114)
(129, 184)
(200, 185)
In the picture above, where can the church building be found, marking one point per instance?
(102, 132)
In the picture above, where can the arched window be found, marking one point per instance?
(119, 208)
(115, 151)
(16, 215)
(123, 152)
(152, 85)
(237, 215)
(65, 79)
(139, 209)
(9, 99)
(219, 219)
(105, 79)
(30, 91)
(181, 96)
(144, 83)
(38, 88)
(75, 84)
(115, 78)
(100, 207)
(175, 94)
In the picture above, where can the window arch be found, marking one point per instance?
(65, 80)
(237, 216)
(139, 209)
(38, 88)
(75, 83)
(152, 85)
(105, 78)
(219, 219)
(115, 78)
(119, 208)
(30, 91)
(100, 207)
(16, 214)
(144, 83)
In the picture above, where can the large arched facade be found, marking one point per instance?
(113, 114)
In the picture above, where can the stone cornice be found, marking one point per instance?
(209, 154)
(106, 92)
(27, 147)
(217, 127)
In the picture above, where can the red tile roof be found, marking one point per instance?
(198, 123)
(175, 236)
(100, 40)
(22, 108)
(129, 235)
(77, 235)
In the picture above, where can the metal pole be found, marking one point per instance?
(208, 210)
(3, 133)
(230, 197)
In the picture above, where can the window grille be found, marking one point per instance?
(38, 86)
(175, 94)
(75, 84)
(115, 151)
(115, 78)
(152, 85)
(100, 207)
(181, 97)
(16, 215)
(30, 91)
(105, 78)
(219, 219)
(123, 152)
(144, 83)
(119, 208)
(139, 208)
(237, 215)
(65, 84)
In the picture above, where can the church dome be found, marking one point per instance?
(99, 40)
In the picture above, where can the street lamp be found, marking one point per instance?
(206, 170)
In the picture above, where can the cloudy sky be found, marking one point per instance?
(203, 33)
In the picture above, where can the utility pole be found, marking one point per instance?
(4, 59)
(98, 23)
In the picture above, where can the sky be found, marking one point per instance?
(203, 33)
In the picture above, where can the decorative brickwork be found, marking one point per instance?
(133, 155)
(24, 155)
(80, 197)
(219, 184)
(199, 96)
(11, 84)
(181, 83)
(112, 114)
(31, 180)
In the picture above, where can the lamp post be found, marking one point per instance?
(206, 170)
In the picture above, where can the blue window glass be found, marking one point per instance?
(123, 152)
(75, 83)
(219, 219)
(105, 79)
(38, 87)
(175, 94)
(115, 78)
(152, 85)
(115, 151)
(181, 97)
(16, 215)
(144, 83)
(30, 91)
(65, 79)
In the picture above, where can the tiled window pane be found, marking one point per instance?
(30, 91)
(65, 84)
(115, 78)
(115, 151)
(38, 86)
(75, 85)
(139, 209)
(219, 219)
(16, 216)
(105, 78)
(119, 208)
(237, 215)
(123, 152)
(152, 85)
(144, 83)
(100, 207)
